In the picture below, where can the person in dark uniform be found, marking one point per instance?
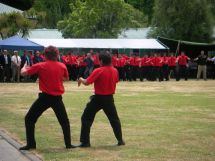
(202, 65)
(5, 65)
(104, 79)
(51, 85)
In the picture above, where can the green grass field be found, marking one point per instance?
(168, 121)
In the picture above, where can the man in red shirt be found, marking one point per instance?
(157, 68)
(121, 65)
(183, 66)
(165, 67)
(104, 79)
(172, 65)
(51, 75)
(144, 72)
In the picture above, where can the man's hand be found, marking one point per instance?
(79, 82)
(24, 69)
(83, 81)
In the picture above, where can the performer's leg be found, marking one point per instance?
(37, 108)
(87, 119)
(60, 112)
(110, 111)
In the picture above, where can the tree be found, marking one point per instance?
(99, 19)
(14, 23)
(211, 4)
(51, 11)
(145, 6)
(182, 19)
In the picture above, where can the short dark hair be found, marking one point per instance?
(105, 58)
(51, 53)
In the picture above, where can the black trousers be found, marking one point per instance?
(165, 69)
(43, 102)
(182, 73)
(98, 102)
(144, 73)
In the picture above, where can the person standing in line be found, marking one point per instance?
(182, 61)
(213, 67)
(89, 65)
(5, 64)
(202, 67)
(51, 74)
(104, 79)
(15, 66)
(172, 65)
(165, 67)
(25, 58)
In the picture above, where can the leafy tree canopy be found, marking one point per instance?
(99, 19)
(145, 6)
(182, 19)
(14, 23)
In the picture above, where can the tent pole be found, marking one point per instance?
(178, 48)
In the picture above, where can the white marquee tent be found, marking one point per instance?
(102, 43)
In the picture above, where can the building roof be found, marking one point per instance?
(102, 43)
(45, 34)
(7, 9)
(140, 33)
(55, 34)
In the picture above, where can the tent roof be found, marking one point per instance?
(18, 43)
(7, 9)
(192, 49)
(102, 43)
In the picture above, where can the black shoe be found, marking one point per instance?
(84, 145)
(120, 143)
(71, 146)
(27, 147)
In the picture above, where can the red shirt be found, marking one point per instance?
(157, 62)
(104, 79)
(51, 75)
(65, 59)
(132, 61)
(96, 60)
(82, 63)
(122, 62)
(172, 61)
(182, 60)
(114, 61)
(137, 61)
(145, 62)
(165, 60)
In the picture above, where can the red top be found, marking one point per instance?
(114, 61)
(51, 75)
(157, 62)
(65, 59)
(172, 61)
(132, 61)
(165, 60)
(122, 62)
(82, 63)
(182, 60)
(137, 61)
(96, 60)
(145, 61)
(104, 79)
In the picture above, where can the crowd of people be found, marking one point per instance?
(151, 67)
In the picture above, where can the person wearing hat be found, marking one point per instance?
(51, 74)
(15, 66)
(104, 79)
